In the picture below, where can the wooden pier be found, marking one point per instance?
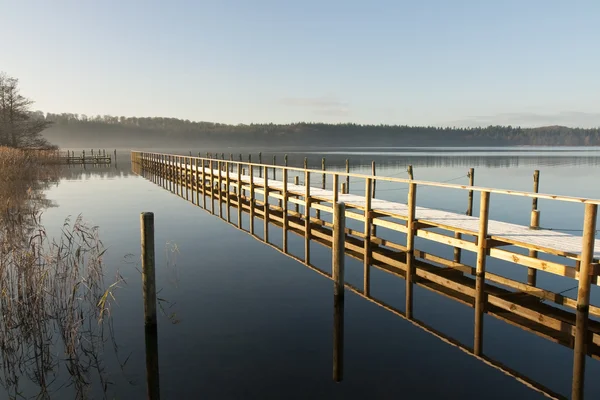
(266, 192)
(92, 157)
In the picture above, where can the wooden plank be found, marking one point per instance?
(438, 237)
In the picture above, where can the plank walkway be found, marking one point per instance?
(523, 236)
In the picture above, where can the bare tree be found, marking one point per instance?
(19, 127)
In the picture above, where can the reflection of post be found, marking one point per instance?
(149, 292)
(338, 246)
(582, 335)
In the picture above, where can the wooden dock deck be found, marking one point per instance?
(296, 208)
(98, 157)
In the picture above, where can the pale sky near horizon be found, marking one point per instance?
(420, 62)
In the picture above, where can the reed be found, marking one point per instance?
(54, 303)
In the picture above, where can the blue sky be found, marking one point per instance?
(527, 62)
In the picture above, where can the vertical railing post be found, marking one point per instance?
(227, 184)
(149, 293)
(307, 216)
(296, 205)
(284, 208)
(458, 235)
(480, 297)
(582, 335)
(367, 242)
(338, 257)
(410, 247)
(534, 224)
(251, 200)
(220, 190)
(239, 194)
(188, 175)
(347, 176)
(203, 184)
(266, 205)
(212, 186)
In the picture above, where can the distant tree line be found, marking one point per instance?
(158, 130)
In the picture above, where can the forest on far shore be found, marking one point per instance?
(73, 130)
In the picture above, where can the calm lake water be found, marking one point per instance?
(252, 323)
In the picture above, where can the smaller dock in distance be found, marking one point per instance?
(93, 157)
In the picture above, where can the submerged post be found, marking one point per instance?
(583, 300)
(149, 293)
(338, 257)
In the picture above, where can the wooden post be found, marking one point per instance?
(318, 212)
(239, 195)
(480, 299)
(411, 176)
(582, 335)
(458, 235)
(251, 200)
(373, 227)
(296, 206)
(367, 242)
(227, 184)
(344, 187)
(324, 177)
(203, 184)
(410, 247)
(266, 205)
(338, 257)
(471, 183)
(285, 160)
(374, 180)
(260, 162)
(196, 180)
(307, 217)
(347, 176)
(220, 190)
(274, 169)
(534, 224)
(188, 172)
(284, 209)
(149, 293)
(305, 163)
(212, 186)
(334, 188)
